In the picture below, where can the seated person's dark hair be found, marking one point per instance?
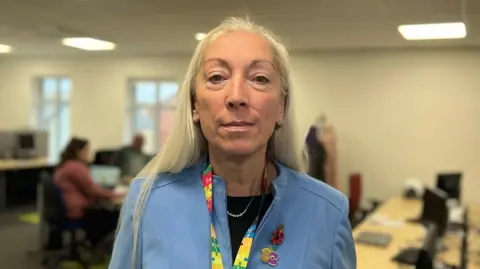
(70, 152)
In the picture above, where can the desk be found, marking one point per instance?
(18, 180)
(404, 235)
(474, 236)
(23, 164)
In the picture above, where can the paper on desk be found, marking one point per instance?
(120, 190)
(382, 220)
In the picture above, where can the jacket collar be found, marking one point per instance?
(278, 183)
(197, 169)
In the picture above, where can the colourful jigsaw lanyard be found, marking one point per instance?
(243, 254)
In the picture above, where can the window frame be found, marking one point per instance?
(58, 103)
(133, 106)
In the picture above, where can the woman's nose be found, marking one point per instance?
(237, 95)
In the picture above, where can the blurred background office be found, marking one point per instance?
(395, 83)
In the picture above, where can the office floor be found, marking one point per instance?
(18, 240)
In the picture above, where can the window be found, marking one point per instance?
(52, 112)
(150, 111)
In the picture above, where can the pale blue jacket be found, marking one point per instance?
(174, 232)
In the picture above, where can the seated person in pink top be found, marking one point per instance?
(81, 194)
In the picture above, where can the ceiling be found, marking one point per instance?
(153, 27)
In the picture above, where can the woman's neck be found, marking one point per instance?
(243, 175)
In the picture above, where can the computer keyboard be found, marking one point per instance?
(374, 239)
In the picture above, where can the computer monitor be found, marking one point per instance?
(426, 255)
(107, 176)
(105, 157)
(435, 209)
(421, 257)
(430, 240)
(26, 141)
(451, 184)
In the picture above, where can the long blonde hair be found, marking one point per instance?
(185, 144)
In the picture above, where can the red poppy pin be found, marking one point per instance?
(269, 254)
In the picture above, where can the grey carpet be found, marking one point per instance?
(18, 241)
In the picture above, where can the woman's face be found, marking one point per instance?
(238, 94)
(84, 154)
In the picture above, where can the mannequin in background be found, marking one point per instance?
(321, 152)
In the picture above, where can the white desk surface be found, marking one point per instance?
(24, 164)
(396, 211)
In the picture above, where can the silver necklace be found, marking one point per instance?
(241, 213)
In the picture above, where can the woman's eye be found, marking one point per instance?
(261, 80)
(216, 79)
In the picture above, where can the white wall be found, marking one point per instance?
(397, 114)
(99, 91)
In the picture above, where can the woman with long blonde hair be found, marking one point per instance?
(225, 191)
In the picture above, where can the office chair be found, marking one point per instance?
(55, 216)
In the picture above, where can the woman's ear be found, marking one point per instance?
(281, 111)
(195, 116)
(193, 99)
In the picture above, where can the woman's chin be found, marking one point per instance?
(240, 148)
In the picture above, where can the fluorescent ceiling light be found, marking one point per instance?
(86, 43)
(200, 36)
(451, 30)
(5, 49)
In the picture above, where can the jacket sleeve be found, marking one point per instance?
(123, 246)
(344, 254)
